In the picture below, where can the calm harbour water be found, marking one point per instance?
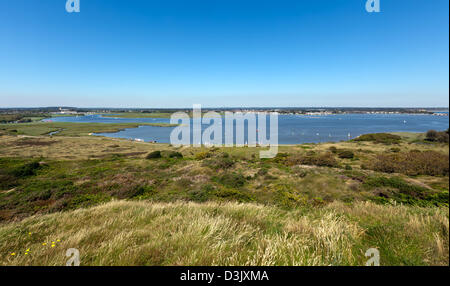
(292, 129)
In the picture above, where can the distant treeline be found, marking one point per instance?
(297, 110)
(20, 117)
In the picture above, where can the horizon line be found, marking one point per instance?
(228, 107)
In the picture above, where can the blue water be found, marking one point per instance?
(292, 129)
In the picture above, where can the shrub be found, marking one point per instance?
(205, 193)
(262, 172)
(141, 191)
(435, 136)
(288, 198)
(302, 173)
(385, 138)
(202, 155)
(281, 157)
(394, 182)
(154, 155)
(219, 163)
(326, 160)
(233, 180)
(443, 137)
(345, 154)
(333, 149)
(431, 135)
(39, 195)
(412, 163)
(174, 154)
(7, 180)
(406, 193)
(323, 160)
(29, 169)
(86, 200)
(231, 194)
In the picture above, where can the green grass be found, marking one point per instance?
(400, 191)
(71, 129)
(385, 138)
(410, 136)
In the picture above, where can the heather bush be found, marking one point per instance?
(431, 135)
(384, 138)
(221, 162)
(345, 154)
(323, 160)
(443, 137)
(174, 154)
(430, 163)
(28, 169)
(435, 136)
(202, 155)
(233, 180)
(154, 155)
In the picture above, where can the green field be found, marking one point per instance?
(70, 129)
(313, 204)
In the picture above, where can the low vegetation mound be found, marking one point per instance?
(16, 170)
(384, 138)
(164, 154)
(311, 158)
(342, 153)
(233, 180)
(411, 163)
(154, 155)
(173, 154)
(220, 161)
(345, 154)
(435, 136)
(399, 190)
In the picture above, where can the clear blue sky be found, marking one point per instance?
(167, 53)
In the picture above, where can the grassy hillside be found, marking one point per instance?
(143, 233)
(389, 192)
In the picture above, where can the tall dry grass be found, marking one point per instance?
(144, 233)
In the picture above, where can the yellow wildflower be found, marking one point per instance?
(13, 253)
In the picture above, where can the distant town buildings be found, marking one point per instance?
(65, 111)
